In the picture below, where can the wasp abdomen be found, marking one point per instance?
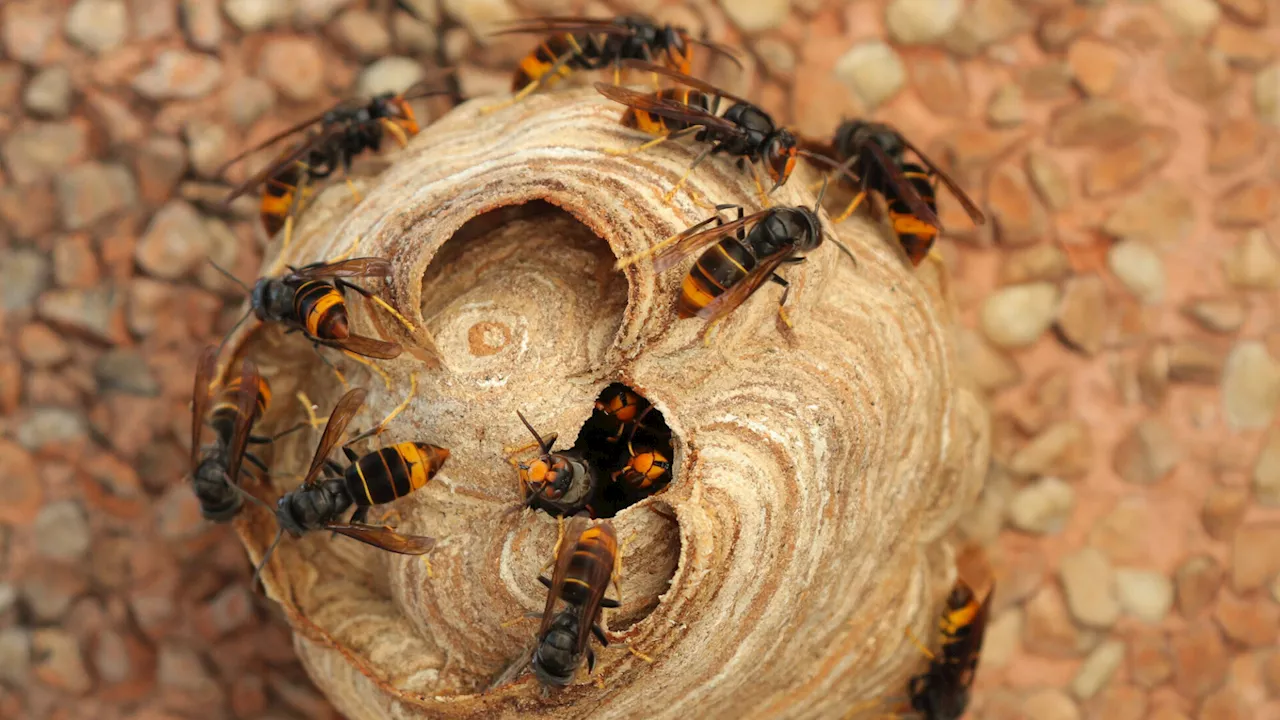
(322, 310)
(393, 472)
(717, 270)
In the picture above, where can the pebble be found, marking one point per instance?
(74, 262)
(1250, 386)
(207, 145)
(1249, 12)
(49, 590)
(1247, 204)
(1042, 261)
(1089, 585)
(1097, 669)
(1048, 81)
(1253, 565)
(1122, 168)
(202, 22)
(1006, 107)
(920, 22)
(1042, 507)
(1050, 704)
(873, 70)
(248, 98)
(1199, 659)
(986, 22)
(89, 311)
(229, 610)
(1199, 74)
(1016, 316)
(1191, 18)
(1144, 594)
(390, 74)
(174, 243)
(940, 84)
(294, 66)
(1223, 511)
(1148, 454)
(1193, 362)
(51, 425)
(1270, 673)
(24, 274)
(179, 75)
(1245, 49)
(1266, 94)
(1234, 142)
(413, 36)
(1083, 313)
(1196, 584)
(1120, 702)
(363, 33)
(1016, 214)
(94, 191)
(990, 368)
(753, 17)
(1217, 314)
(1253, 263)
(41, 151)
(1252, 622)
(49, 93)
(311, 13)
(1049, 180)
(1061, 26)
(1096, 65)
(178, 514)
(26, 29)
(1002, 639)
(22, 492)
(161, 162)
(1097, 123)
(1226, 704)
(98, 25)
(62, 531)
(114, 118)
(41, 347)
(181, 668)
(1064, 449)
(15, 655)
(59, 662)
(484, 17)
(125, 371)
(1160, 215)
(254, 15)
(1148, 658)
(1266, 471)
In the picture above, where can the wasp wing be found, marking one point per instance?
(295, 129)
(286, 159)
(246, 408)
(975, 214)
(683, 79)
(366, 346)
(730, 299)
(964, 657)
(668, 253)
(355, 267)
(205, 368)
(384, 538)
(900, 186)
(347, 407)
(669, 109)
(564, 555)
(598, 583)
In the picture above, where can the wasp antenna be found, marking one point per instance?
(845, 249)
(246, 493)
(546, 450)
(822, 192)
(231, 277)
(257, 572)
(233, 330)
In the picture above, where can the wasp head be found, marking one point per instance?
(780, 152)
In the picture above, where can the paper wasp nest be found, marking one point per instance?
(818, 473)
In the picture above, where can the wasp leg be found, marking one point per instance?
(853, 205)
(919, 646)
(763, 194)
(670, 135)
(386, 379)
(369, 295)
(382, 426)
(360, 515)
(316, 346)
(683, 178)
(396, 131)
(532, 86)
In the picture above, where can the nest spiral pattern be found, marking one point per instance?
(819, 471)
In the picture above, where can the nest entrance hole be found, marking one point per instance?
(629, 451)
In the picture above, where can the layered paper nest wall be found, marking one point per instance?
(819, 470)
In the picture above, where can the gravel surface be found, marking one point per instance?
(1122, 310)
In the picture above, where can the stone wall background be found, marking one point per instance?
(1122, 306)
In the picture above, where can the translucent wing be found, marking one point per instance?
(285, 160)
(669, 109)
(564, 555)
(205, 369)
(246, 406)
(730, 299)
(270, 141)
(668, 253)
(683, 79)
(598, 582)
(366, 346)
(900, 186)
(384, 538)
(355, 267)
(347, 407)
(975, 214)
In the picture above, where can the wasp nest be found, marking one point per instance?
(817, 471)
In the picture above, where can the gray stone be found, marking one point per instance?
(390, 74)
(35, 153)
(49, 93)
(24, 274)
(98, 25)
(125, 371)
(62, 531)
(93, 191)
